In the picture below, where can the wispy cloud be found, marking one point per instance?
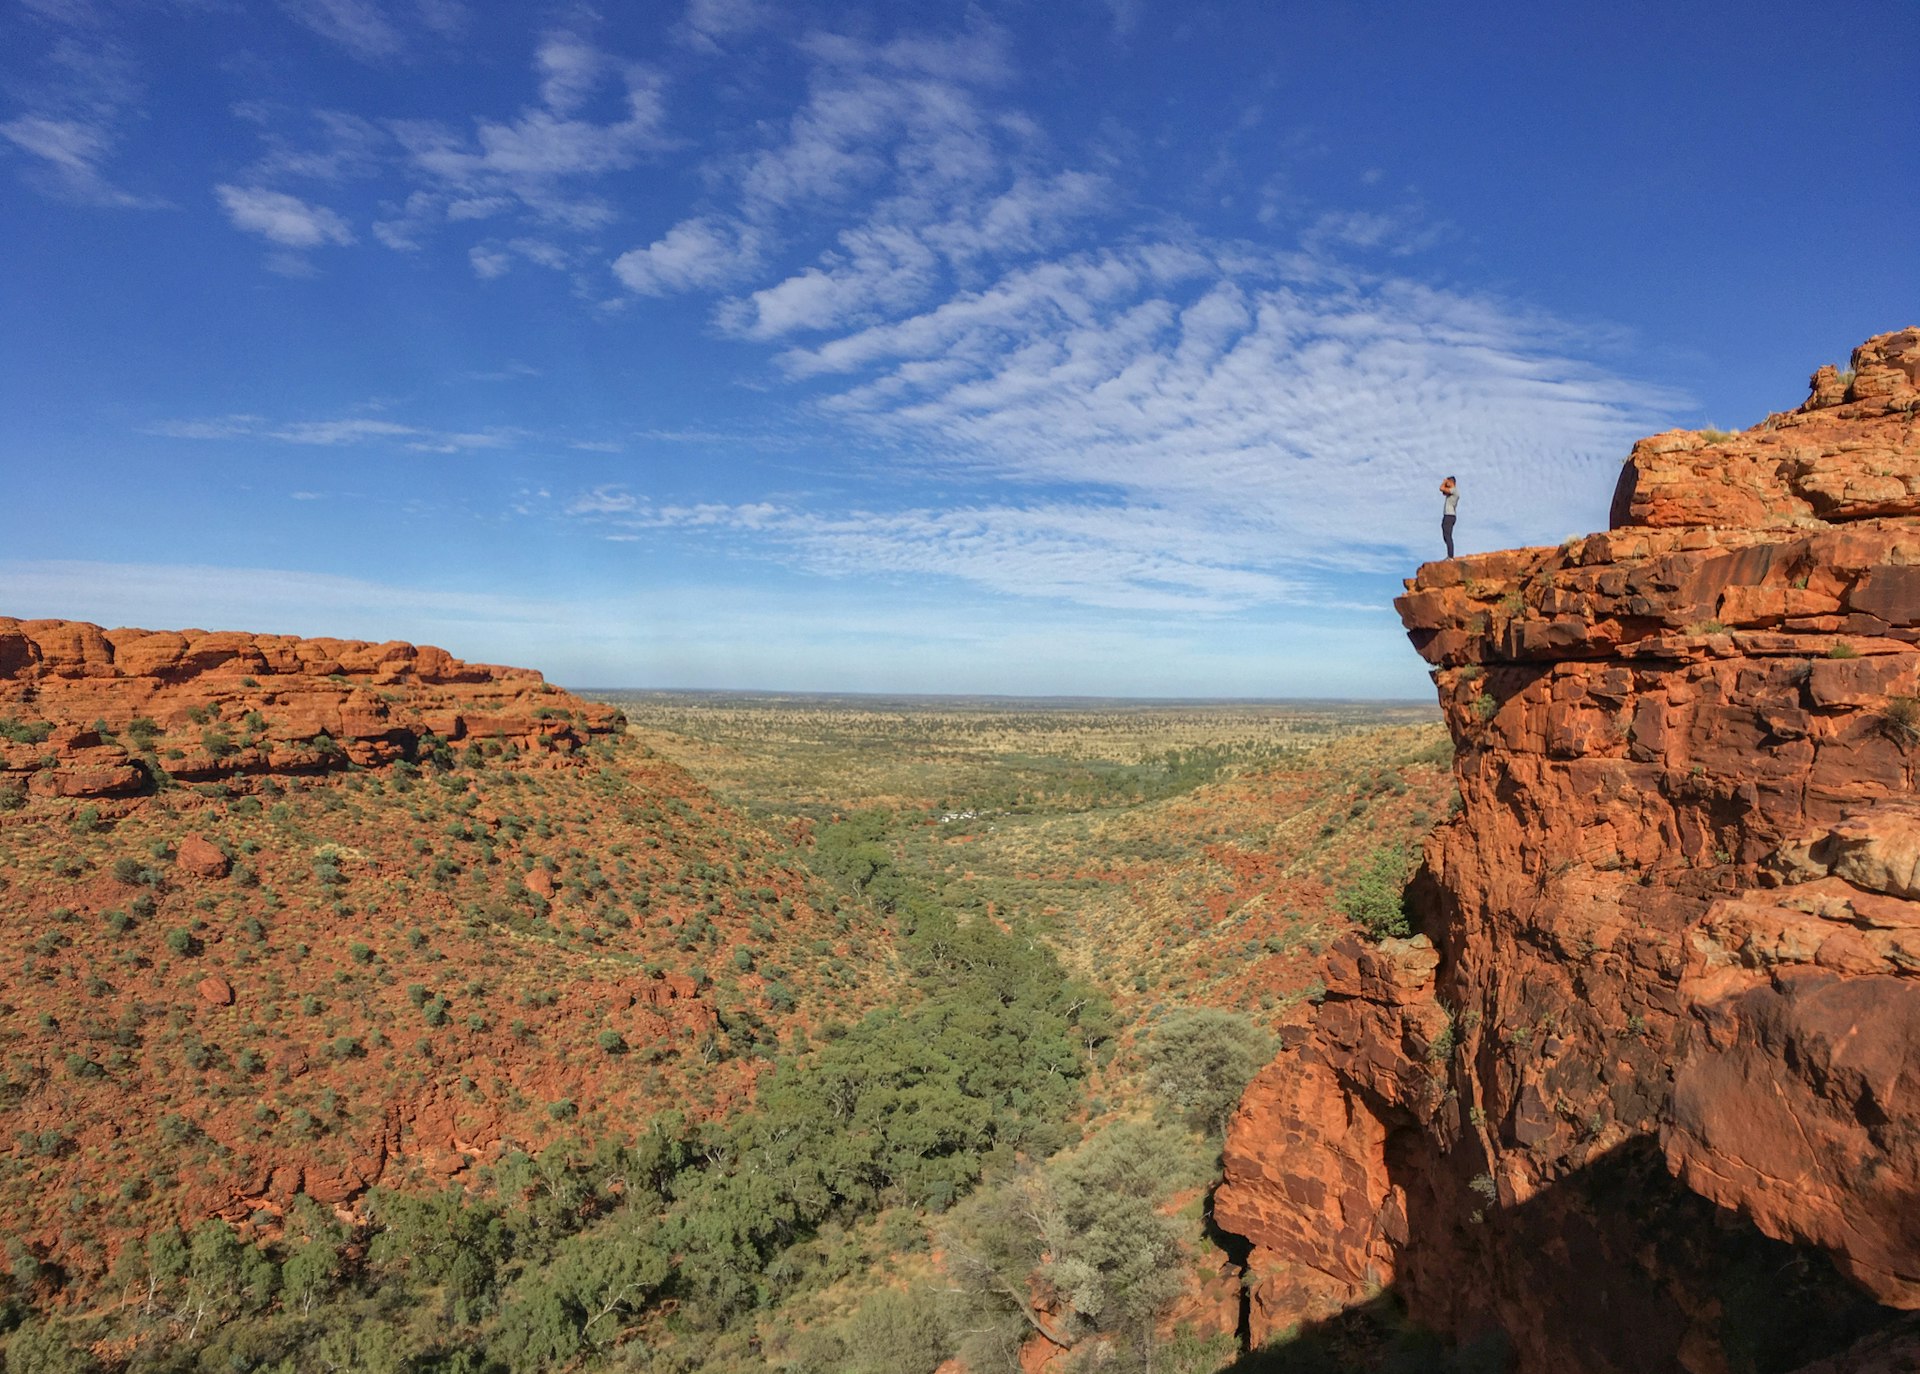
(1096, 554)
(346, 432)
(359, 26)
(80, 102)
(702, 253)
(330, 146)
(710, 25)
(538, 155)
(281, 218)
(1289, 397)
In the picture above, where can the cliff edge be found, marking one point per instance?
(1644, 1091)
(87, 712)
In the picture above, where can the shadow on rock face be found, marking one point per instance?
(1628, 1271)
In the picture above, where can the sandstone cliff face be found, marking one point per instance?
(1675, 922)
(102, 713)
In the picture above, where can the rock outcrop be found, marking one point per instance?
(1654, 1058)
(93, 713)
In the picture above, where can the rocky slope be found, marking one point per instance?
(296, 918)
(1650, 1072)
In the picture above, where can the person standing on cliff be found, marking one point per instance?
(1451, 490)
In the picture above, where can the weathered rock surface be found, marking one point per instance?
(1676, 918)
(105, 713)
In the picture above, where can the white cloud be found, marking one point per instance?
(569, 68)
(696, 253)
(71, 153)
(73, 147)
(709, 24)
(543, 159)
(286, 220)
(359, 26)
(352, 430)
(542, 144)
(83, 95)
(1108, 555)
(488, 263)
(339, 147)
(880, 268)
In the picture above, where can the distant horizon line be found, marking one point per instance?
(1003, 696)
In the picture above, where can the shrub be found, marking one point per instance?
(612, 1042)
(895, 1333)
(181, 941)
(42, 1347)
(1200, 1059)
(1374, 898)
(25, 732)
(1900, 719)
(1842, 649)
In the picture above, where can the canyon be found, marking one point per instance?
(1643, 1089)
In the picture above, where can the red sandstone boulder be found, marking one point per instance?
(216, 991)
(201, 858)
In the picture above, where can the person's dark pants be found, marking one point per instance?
(1446, 532)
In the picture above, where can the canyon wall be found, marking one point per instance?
(1644, 1091)
(95, 713)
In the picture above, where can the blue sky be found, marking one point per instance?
(1099, 346)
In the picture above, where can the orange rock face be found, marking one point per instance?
(1675, 922)
(110, 713)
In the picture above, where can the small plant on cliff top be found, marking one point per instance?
(1842, 649)
(1375, 896)
(1717, 436)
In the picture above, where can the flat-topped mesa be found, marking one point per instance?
(1677, 921)
(90, 712)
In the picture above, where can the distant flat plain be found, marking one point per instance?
(801, 753)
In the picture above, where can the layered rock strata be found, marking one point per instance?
(1653, 1060)
(91, 713)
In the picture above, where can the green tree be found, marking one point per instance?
(1087, 1227)
(1199, 1061)
(41, 1347)
(1375, 894)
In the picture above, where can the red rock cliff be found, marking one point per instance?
(100, 713)
(1655, 1056)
